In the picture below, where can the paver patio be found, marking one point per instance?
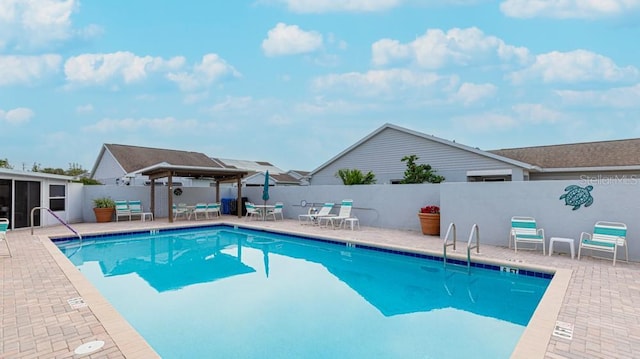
(601, 302)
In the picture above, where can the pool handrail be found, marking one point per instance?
(474, 230)
(59, 220)
(445, 244)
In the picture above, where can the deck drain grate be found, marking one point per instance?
(76, 302)
(89, 347)
(563, 330)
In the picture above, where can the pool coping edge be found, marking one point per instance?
(126, 338)
(533, 342)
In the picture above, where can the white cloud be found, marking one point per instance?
(470, 93)
(34, 24)
(233, 104)
(100, 69)
(521, 115)
(537, 113)
(88, 108)
(132, 125)
(564, 9)
(322, 106)
(573, 67)
(487, 122)
(211, 69)
(324, 6)
(618, 98)
(17, 116)
(286, 39)
(25, 70)
(437, 49)
(380, 82)
(386, 51)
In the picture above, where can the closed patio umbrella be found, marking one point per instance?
(265, 190)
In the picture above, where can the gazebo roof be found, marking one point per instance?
(164, 169)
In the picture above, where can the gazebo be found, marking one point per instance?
(217, 174)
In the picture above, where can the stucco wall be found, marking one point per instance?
(490, 205)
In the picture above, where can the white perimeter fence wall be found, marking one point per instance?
(489, 205)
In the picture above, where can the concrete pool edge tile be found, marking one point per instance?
(534, 341)
(126, 338)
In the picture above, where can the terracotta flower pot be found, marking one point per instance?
(430, 223)
(103, 214)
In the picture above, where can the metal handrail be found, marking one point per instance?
(475, 230)
(59, 220)
(445, 244)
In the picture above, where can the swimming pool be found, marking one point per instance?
(242, 293)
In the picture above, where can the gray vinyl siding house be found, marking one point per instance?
(381, 153)
(616, 160)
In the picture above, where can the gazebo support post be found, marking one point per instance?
(239, 200)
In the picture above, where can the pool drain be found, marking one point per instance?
(89, 347)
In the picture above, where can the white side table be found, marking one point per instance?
(563, 240)
(146, 215)
(352, 221)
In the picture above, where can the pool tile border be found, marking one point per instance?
(461, 262)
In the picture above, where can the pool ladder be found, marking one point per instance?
(56, 217)
(451, 231)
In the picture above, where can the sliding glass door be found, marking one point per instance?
(27, 197)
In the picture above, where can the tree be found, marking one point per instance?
(89, 181)
(355, 176)
(75, 170)
(4, 163)
(419, 173)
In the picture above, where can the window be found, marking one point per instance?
(57, 197)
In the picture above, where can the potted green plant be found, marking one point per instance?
(104, 207)
(430, 220)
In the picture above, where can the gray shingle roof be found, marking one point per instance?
(587, 154)
(251, 166)
(284, 178)
(133, 158)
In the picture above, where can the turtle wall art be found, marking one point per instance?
(577, 196)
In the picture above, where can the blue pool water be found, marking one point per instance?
(237, 293)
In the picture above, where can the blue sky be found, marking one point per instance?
(295, 82)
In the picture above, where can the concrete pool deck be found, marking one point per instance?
(42, 318)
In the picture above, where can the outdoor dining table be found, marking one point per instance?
(263, 209)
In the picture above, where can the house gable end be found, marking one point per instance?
(382, 151)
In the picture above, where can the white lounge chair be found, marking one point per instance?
(4, 226)
(525, 230)
(135, 209)
(122, 209)
(343, 214)
(606, 237)
(312, 218)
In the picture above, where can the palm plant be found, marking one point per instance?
(355, 176)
